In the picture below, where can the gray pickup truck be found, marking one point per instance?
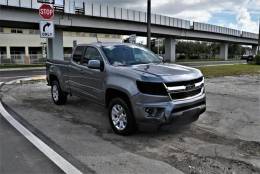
(132, 82)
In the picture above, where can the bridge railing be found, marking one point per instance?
(106, 11)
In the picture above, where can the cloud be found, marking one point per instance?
(199, 16)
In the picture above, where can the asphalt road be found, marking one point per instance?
(6, 76)
(17, 154)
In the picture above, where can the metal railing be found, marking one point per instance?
(37, 59)
(22, 59)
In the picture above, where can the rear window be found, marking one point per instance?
(77, 55)
(79, 51)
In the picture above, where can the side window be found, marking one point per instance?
(91, 54)
(77, 55)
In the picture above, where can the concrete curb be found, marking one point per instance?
(24, 80)
(22, 69)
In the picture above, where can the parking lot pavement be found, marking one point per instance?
(225, 139)
(12, 74)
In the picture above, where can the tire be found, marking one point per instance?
(58, 96)
(120, 117)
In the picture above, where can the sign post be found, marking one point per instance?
(132, 38)
(46, 11)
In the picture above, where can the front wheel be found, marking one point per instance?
(121, 118)
(58, 96)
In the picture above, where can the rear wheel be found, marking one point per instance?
(121, 118)
(58, 96)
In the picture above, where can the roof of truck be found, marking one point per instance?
(99, 44)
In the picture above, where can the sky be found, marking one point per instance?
(236, 14)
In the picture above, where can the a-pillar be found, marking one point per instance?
(170, 49)
(55, 46)
(254, 49)
(224, 51)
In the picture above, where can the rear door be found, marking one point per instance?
(75, 71)
(92, 80)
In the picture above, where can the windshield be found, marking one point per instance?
(125, 55)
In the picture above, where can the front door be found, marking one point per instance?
(92, 80)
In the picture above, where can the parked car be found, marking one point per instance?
(131, 81)
(248, 57)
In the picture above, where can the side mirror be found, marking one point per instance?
(94, 64)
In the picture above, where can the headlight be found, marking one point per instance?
(151, 88)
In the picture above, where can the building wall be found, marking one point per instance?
(26, 38)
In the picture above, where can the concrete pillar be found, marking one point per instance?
(8, 52)
(170, 49)
(254, 49)
(224, 51)
(26, 51)
(55, 46)
(27, 56)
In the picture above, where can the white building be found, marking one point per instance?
(25, 45)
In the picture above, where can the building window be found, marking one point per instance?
(34, 31)
(15, 30)
(93, 35)
(19, 31)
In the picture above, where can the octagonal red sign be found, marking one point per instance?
(46, 11)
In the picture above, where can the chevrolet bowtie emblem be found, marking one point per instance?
(191, 86)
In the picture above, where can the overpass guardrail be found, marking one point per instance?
(106, 11)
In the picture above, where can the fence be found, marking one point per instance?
(22, 59)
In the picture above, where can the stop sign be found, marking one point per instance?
(46, 11)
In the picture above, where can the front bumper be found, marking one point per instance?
(169, 110)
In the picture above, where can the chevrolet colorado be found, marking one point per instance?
(132, 82)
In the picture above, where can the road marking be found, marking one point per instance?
(62, 163)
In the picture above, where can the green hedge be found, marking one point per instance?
(257, 59)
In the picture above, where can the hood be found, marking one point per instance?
(167, 72)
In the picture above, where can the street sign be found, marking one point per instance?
(132, 38)
(46, 11)
(46, 1)
(46, 29)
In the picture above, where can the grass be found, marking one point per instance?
(230, 70)
(4, 66)
(198, 60)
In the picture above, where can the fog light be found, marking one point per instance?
(153, 112)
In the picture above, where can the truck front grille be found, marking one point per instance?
(185, 94)
(185, 89)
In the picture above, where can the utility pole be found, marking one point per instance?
(149, 24)
(158, 46)
(258, 48)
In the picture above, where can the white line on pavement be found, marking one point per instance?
(62, 163)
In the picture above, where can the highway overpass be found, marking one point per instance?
(100, 18)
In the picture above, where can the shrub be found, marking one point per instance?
(257, 59)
